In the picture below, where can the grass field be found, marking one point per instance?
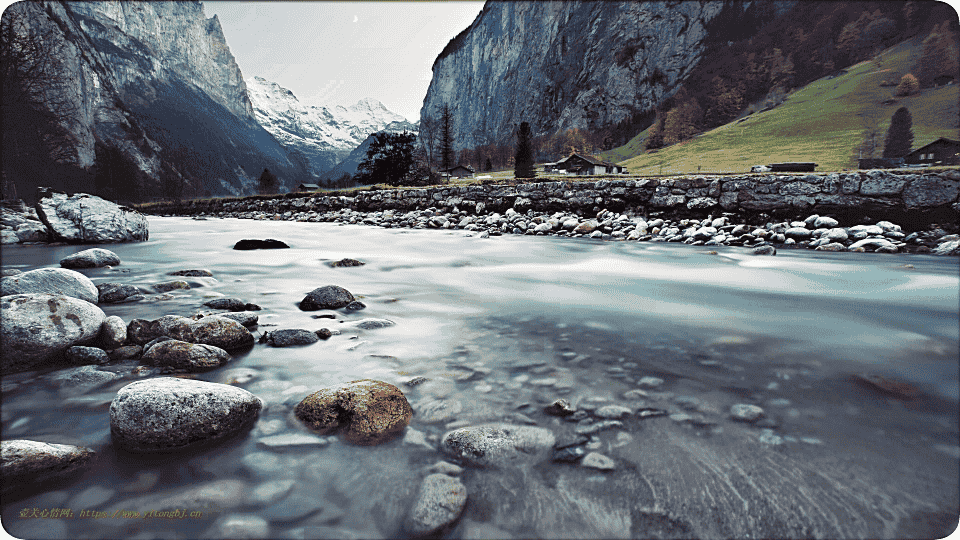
(822, 122)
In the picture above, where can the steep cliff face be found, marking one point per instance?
(157, 80)
(562, 65)
(325, 136)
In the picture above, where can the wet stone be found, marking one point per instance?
(497, 444)
(229, 304)
(345, 263)
(591, 428)
(595, 460)
(192, 273)
(569, 454)
(249, 244)
(438, 505)
(356, 305)
(745, 413)
(368, 412)
(289, 337)
(326, 297)
(91, 258)
(24, 463)
(246, 318)
(81, 356)
(560, 407)
(612, 411)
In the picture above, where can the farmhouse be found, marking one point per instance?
(584, 165)
(308, 187)
(460, 171)
(942, 151)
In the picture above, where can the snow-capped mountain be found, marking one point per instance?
(325, 136)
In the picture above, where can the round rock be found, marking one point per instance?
(51, 281)
(37, 328)
(186, 357)
(82, 356)
(248, 244)
(745, 413)
(438, 505)
(326, 297)
(229, 304)
(291, 337)
(24, 463)
(114, 293)
(497, 444)
(113, 332)
(91, 258)
(170, 414)
(367, 411)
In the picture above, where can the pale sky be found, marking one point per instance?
(336, 53)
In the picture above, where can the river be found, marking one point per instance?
(503, 326)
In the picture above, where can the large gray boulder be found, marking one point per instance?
(170, 414)
(51, 281)
(25, 463)
(86, 218)
(90, 258)
(227, 334)
(326, 297)
(438, 505)
(36, 329)
(497, 444)
(185, 357)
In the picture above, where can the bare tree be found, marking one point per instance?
(430, 138)
(38, 99)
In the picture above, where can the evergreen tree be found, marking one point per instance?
(390, 159)
(900, 135)
(267, 183)
(487, 166)
(939, 56)
(523, 159)
(446, 138)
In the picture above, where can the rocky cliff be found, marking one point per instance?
(562, 65)
(157, 81)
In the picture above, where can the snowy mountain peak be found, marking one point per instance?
(325, 136)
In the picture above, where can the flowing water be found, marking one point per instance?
(502, 327)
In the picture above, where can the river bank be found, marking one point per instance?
(660, 350)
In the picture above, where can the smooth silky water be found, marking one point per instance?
(503, 326)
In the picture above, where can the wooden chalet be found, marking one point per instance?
(584, 165)
(460, 171)
(942, 151)
(308, 187)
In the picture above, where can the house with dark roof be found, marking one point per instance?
(308, 187)
(942, 151)
(460, 171)
(586, 165)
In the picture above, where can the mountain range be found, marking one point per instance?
(326, 136)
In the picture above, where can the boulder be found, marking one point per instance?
(229, 304)
(170, 414)
(247, 244)
(368, 412)
(764, 250)
(31, 231)
(37, 329)
(81, 356)
(213, 330)
(185, 357)
(90, 258)
(344, 263)
(115, 293)
(326, 297)
(497, 444)
(86, 218)
(290, 337)
(246, 318)
(438, 505)
(25, 463)
(51, 281)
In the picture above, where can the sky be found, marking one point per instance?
(336, 53)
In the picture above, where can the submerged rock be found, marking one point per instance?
(25, 463)
(344, 263)
(248, 244)
(91, 258)
(114, 293)
(745, 413)
(367, 412)
(51, 281)
(497, 444)
(82, 356)
(168, 414)
(168, 286)
(326, 297)
(438, 505)
(290, 337)
(183, 356)
(192, 273)
(36, 329)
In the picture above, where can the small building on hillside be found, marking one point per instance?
(460, 171)
(942, 151)
(879, 163)
(308, 187)
(585, 165)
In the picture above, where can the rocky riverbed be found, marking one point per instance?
(554, 387)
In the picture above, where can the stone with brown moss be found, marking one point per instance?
(366, 412)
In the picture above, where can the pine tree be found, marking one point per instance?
(939, 56)
(523, 159)
(900, 134)
(446, 139)
(487, 166)
(267, 183)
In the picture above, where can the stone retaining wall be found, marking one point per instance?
(913, 199)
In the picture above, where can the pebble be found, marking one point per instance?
(650, 382)
(612, 411)
(438, 504)
(745, 413)
(293, 440)
(595, 460)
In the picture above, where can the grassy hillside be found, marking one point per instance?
(822, 122)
